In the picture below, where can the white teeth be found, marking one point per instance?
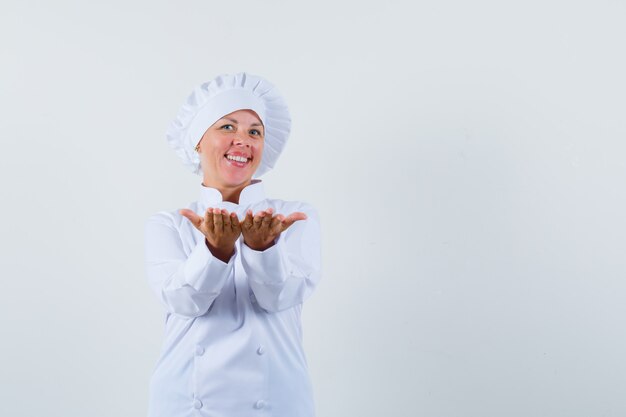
(237, 158)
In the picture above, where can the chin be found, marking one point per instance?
(237, 181)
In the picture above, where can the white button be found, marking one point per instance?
(260, 404)
(197, 404)
(260, 350)
(199, 350)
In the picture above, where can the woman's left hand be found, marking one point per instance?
(260, 230)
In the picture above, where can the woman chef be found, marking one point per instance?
(234, 268)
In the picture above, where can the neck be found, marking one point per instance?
(228, 193)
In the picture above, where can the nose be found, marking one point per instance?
(241, 140)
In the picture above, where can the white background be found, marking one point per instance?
(466, 159)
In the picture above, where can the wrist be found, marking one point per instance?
(260, 246)
(222, 253)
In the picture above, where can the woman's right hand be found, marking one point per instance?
(220, 228)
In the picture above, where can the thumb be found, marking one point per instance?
(292, 218)
(193, 217)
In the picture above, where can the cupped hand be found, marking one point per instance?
(260, 230)
(220, 228)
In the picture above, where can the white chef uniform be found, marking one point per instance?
(233, 336)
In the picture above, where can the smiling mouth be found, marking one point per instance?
(238, 159)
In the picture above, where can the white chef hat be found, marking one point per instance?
(225, 94)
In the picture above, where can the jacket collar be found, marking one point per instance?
(251, 194)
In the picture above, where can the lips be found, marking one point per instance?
(237, 159)
(238, 155)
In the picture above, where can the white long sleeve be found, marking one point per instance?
(287, 273)
(231, 322)
(186, 283)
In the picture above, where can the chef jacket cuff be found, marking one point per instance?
(204, 272)
(269, 265)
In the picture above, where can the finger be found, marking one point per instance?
(193, 217)
(267, 220)
(218, 221)
(292, 218)
(226, 219)
(258, 219)
(298, 215)
(235, 225)
(277, 224)
(208, 218)
(234, 219)
(248, 220)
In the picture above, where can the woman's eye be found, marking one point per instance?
(255, 132)
(225, 126)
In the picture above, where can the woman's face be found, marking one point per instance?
(231, 149)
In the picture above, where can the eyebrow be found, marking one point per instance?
(235, 121)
